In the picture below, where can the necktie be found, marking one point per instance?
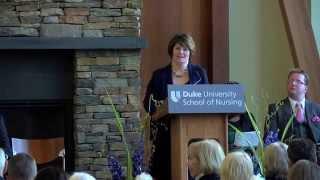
(299, 113)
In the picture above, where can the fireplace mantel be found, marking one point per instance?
(110, 43)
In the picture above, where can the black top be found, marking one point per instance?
(244, 124)
(212, 176)
(276, 177)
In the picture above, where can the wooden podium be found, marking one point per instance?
(188, 126)
(200, 112)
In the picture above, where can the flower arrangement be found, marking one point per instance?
(137, 159)
(137, 164)
(271, 137)
(315, 119)
(115, 168)
(134, 162)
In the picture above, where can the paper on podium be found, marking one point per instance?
(245, 139)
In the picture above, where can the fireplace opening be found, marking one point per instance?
(36, 103)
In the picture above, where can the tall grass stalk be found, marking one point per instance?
(121, 130)
(287, 127)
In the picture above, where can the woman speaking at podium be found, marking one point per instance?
(179, 71)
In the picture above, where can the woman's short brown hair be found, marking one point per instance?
(184, 40)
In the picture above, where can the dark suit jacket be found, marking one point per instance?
(279, 117)
(4, 139)
(212, 176)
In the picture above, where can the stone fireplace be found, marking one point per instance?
(71, 56)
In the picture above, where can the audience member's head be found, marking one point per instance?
(276, 160)
(301, 148)
(304, 170)
(81, 176)
(51, 173)
(237, 165)
(143, 176)
(299, 71)
(205, 157)
(297, 79)
(22, 167)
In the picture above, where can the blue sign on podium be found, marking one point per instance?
(206, 98)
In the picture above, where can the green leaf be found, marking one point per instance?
(116, 113)
(289, 123)
(129, 165)
(255, 126)
(121, 130)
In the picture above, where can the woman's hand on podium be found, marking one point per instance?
(161, 111)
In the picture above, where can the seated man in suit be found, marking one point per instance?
(305, 113)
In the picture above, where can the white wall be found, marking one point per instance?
(259, 52)
(315, 19)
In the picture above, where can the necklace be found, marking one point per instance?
(179, 75)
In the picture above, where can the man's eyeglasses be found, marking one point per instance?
(296, 81)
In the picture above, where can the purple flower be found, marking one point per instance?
(315, 119)
(137, 159)
(115, 168)
(271, 138)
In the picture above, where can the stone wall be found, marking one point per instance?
(70, 18)
(99, 73)
(96, 71)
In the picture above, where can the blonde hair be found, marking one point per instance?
(276, 159)
(210, 155)
(81, 176)
(143, 176)
(237, 165)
